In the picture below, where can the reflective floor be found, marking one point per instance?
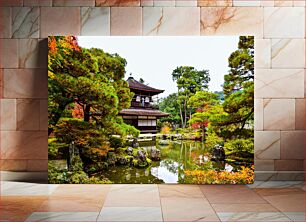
(263, 201)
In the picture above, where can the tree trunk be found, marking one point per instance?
(185, 114)
(87, 113)
(181, 115)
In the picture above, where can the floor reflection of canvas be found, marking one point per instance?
(151, 110)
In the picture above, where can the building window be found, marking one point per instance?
(143, 122)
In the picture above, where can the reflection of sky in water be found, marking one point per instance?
(162, 172)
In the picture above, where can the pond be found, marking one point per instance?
(176, 156)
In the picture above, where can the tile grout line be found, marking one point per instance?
(209, 203)
(104, 202)
(161, 208)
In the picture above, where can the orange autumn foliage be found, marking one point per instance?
(244, 176)
(77, 112)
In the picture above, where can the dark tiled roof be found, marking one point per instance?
(143, 112)
(134, 84)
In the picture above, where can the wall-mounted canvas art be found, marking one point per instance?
(151, 110)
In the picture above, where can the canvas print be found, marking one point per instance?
(151, 110)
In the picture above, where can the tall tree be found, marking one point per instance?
(170, 105)
(89, 77)
(207, 107)
(189, 81)
(239, 91)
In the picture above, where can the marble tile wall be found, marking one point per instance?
(280, 83)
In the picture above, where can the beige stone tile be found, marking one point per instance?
(284, 199)
(8, 114)
(37, 2)
(51, 17)
(13, 165)
(232, 21)
(28, 114)
(262, 53)
(220, 3)
(263, 165)
(252, 216)
(146, 2)
(130, 214)
(33, 53)
(230, 194)
(182, 191)
(95, 21)
(279, 114)
(300, 114)
(289, 165)
(278, 19)
(25, 22)
(299, 3)
(258, 114)
(118, 3)
(267, 145)
(37, 165)
(163, 3)
(248, 3)
(90, 191)
(263, 207)
(187, 209)
(126, 21)
(159, 21)
(25, 83)
(284, 3)
(24, 145)
(133, 196)
(274, 83)
(9, 53)
(43, 114)
(5, 22)
(18, 208)
(4, 3)
(282, 49)
(74, 3)
(304, 83)
(1, 83)
(186, 3)
(266, 3)
(292, 144)
(71, 204)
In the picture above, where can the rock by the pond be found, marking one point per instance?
(129, 150)
(122, 160)
(218, 153)
(155, 154)
(141, 155)
(135, 143)
(163, 142)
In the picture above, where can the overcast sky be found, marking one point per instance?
(154, 58)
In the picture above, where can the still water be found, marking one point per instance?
(176, 157)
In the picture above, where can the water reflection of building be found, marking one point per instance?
(142, 114)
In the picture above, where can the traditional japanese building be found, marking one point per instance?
(142, 114)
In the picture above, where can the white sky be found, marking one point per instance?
(154, 58)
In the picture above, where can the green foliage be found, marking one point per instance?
(170, 105)
(116, 142)
(56, 176)
(89, 77)
(239, 92)
(240, 150)
(212, 139)
(189, 81)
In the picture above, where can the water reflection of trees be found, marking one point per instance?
(182, 155)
